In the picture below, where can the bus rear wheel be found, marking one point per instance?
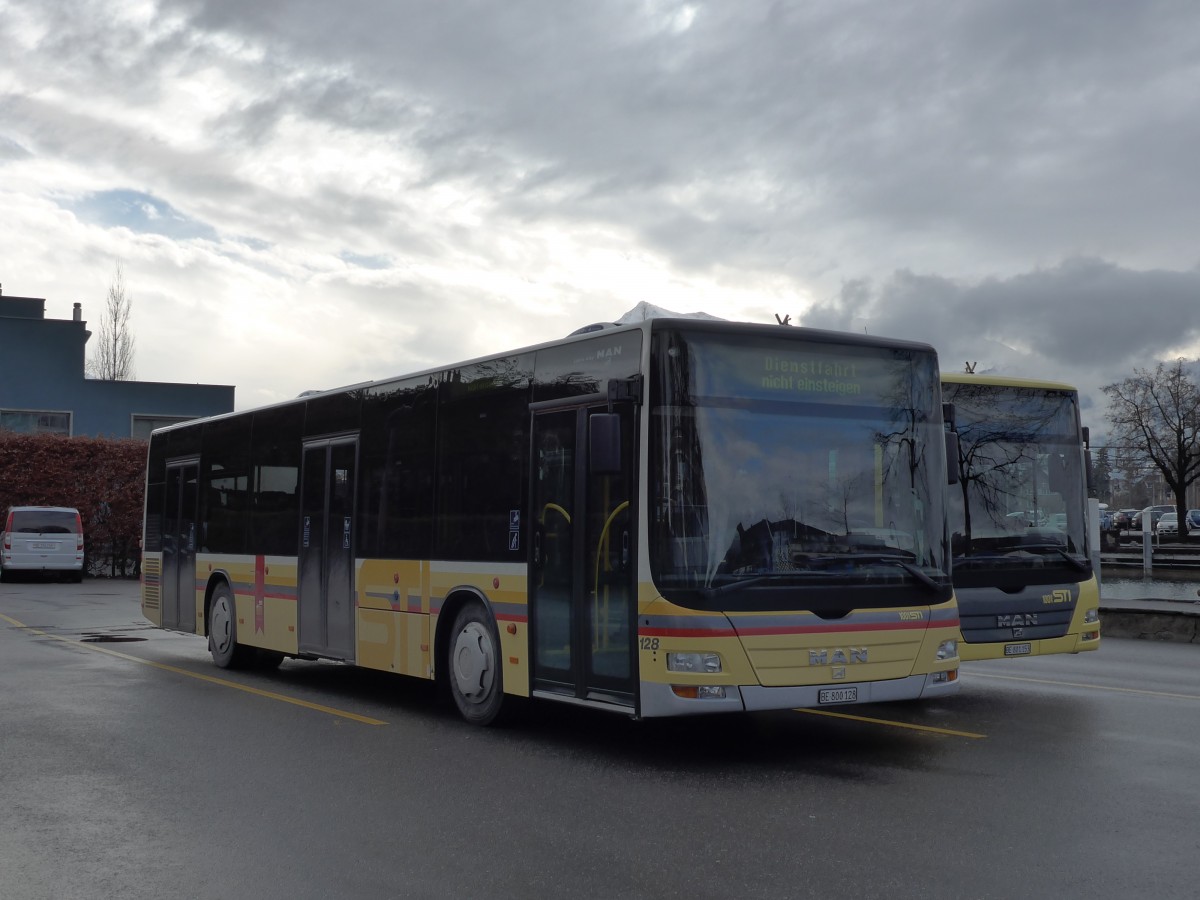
(222, 631)
(476, 682)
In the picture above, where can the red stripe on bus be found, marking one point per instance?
(782, 630)
(868, 626)
(687, 632)
(250, 595)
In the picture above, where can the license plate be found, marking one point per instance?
(1018, 649)
(838, 695)
(42, 545)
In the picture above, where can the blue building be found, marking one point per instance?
(43, 387)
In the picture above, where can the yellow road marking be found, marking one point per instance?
(212, 679)
(1094, 687)
(929, 728)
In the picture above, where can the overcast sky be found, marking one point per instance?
(309, 194)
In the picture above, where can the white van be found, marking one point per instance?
(42, 539)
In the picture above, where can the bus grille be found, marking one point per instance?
(801, 649)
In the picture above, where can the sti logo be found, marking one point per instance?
(1059, 596)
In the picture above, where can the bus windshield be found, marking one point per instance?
(1020, 506)
(785, 470)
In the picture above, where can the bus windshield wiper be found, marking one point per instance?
(889, 559)
(736, 583)
(884, 559)
(1081, 564)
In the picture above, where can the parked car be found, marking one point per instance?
(1154, 513)
(42, 539)
(1193, 521)
(1123, 519)
(1028, 519)
(1167, 524)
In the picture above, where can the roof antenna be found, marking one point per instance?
(786, 320)
(971, 368)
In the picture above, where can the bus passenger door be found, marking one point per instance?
(582, 566)
(179, 546)
(326, 560)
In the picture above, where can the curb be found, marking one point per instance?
(1163, 623)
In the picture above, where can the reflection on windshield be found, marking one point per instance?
(1021, 496)
(766, 474)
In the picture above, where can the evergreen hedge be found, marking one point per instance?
(103, 478)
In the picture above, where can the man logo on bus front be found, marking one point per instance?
(837, 656)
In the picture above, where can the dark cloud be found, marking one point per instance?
(1073, 312)
(797, 138)
(1011, 180)
(1085, 321)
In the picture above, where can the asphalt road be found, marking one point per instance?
(131, 767)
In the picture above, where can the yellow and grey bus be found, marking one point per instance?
(1023, 571)
(672, 517)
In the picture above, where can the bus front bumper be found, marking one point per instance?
(664, 699)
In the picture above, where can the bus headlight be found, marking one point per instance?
(947, 650)
(1092, 615)
(708, 663)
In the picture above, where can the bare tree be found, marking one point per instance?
(1156, 416)
(113, 359)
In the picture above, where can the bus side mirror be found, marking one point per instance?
(951, 457)
(604, 444)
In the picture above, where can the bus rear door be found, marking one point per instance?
(179, 542)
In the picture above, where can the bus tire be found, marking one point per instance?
(226, 652)
(475, 677)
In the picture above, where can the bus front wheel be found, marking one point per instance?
(476, 682)
(222, 631)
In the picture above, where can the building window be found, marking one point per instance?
(143, 425)
(34, 421)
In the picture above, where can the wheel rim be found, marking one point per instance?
(220, 622)
(474, 663)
